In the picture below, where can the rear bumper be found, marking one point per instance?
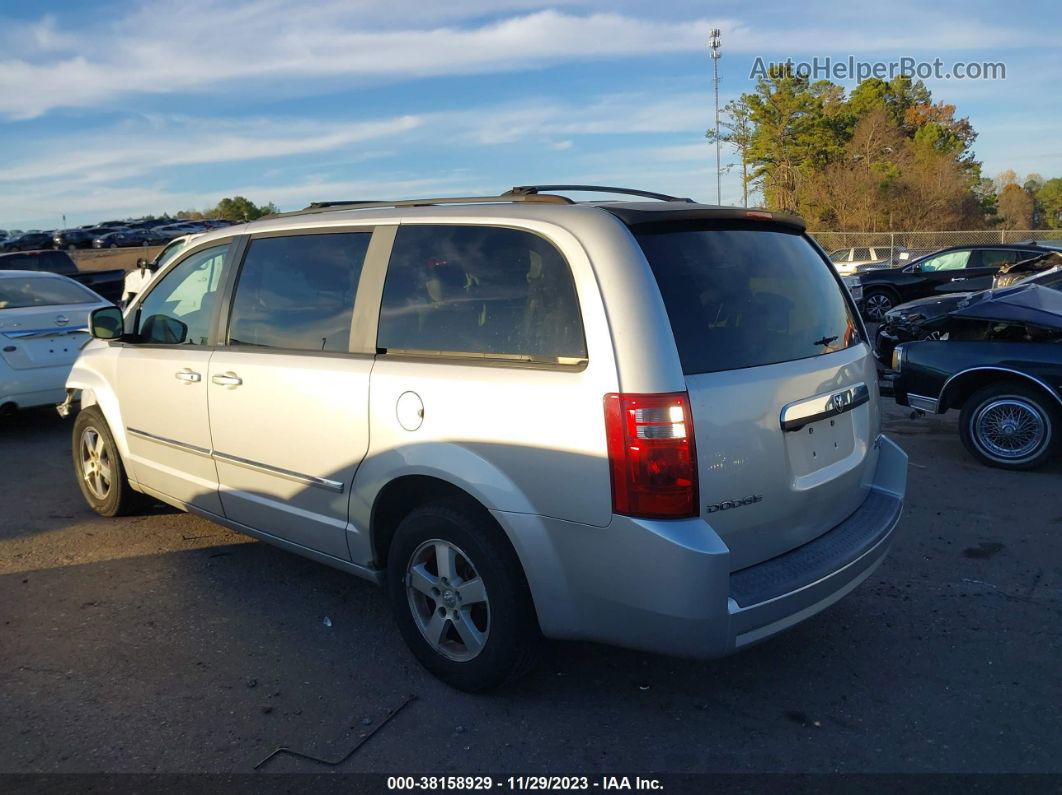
(666, 586)
(36, 386)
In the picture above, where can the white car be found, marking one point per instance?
(848, 260)
(43, 320)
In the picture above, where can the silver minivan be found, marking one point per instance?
(648, 423)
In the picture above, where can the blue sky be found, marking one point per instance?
(115, 108)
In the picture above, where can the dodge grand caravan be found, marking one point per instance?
(649, 423)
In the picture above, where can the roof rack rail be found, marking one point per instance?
(521, 193)
(531, 190)
(539, 198)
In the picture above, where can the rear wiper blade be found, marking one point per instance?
(824, 341)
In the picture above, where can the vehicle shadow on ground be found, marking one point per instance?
(262, 648)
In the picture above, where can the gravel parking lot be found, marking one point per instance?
(164, 643)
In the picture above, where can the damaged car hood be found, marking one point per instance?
(1024, 303)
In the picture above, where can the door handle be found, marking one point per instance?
(227, 379)
(188, 376)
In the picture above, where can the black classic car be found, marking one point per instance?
(958, 269)
(930, 318)
(1001, 366)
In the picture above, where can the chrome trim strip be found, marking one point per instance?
(312, 480)
(799, 413)
(1044, 384)
(190, 448)
(922, 402)
(45, 332)
(324, 483)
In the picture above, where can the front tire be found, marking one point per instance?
(460, 597)
(99, 468)
(1010, 426)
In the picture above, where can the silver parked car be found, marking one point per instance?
(648, 423)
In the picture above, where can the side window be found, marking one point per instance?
(860, 253)
(479, 290)
(297, 293)
(995, 258)
(179, 308)
(952, 261)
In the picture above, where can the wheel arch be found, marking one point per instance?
(403, 495)
(881, 287)
(961, 385)
(95, 391)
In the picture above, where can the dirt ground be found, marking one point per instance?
(89, 259)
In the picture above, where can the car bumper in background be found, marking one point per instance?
(38, 386)
(666, 586)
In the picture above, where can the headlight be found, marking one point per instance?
(898, 356)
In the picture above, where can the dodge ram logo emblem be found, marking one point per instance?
(840, 400)
(726, 505)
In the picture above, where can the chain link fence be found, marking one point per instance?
(918, 243)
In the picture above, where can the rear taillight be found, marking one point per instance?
(652, 455)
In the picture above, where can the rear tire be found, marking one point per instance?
(99, 469)
(460, 597)
(1010, 426)
(876, 302)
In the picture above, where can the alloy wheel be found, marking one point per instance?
(877, 304)
(96, 466)
(448, 600)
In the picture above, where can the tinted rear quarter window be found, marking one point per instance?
(745, 295)
(297, 292)
(480, 290)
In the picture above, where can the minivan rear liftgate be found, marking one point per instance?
(782, 389)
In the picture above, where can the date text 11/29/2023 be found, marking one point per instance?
(531, 783)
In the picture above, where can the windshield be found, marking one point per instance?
(23, 291)
(746, 295)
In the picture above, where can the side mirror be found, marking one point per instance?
(107, 323)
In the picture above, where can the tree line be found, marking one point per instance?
(236, 208)
(882, 157)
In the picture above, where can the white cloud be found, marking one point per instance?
(128, 151)
(154, 150)
(202, 45)
(207, 46)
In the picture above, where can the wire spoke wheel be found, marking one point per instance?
(1009, 428)
(448, 600)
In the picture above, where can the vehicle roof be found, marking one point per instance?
(33, 252)
(11, 274)
(564, 214)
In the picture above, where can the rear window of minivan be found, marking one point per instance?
(745, 295)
